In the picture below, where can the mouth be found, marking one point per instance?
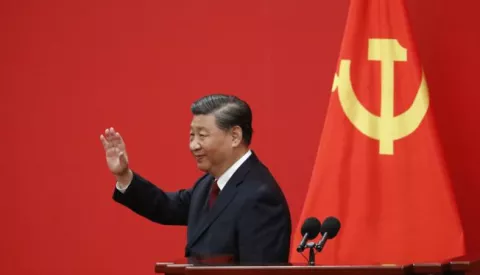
(199, 157)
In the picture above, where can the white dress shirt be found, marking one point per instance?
(225, 177)
(222, 180)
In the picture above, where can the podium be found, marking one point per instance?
(298, 270)
(459, 266)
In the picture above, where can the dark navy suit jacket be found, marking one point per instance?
(250, 220)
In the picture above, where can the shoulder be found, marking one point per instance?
(263, 201)
(262, 189)
(259, 183)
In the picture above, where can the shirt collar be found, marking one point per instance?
(223, 179)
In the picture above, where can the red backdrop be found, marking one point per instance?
(70, 69)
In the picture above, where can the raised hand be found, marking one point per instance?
(115, 153)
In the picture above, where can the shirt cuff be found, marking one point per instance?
(120, 188)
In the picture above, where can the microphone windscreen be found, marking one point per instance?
(332, 226)
(311, 226)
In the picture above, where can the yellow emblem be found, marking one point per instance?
(385, 128)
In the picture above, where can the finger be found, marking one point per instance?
(106, 144)
(113, 138)
(109, 133)
(104, 141)
(118, 140)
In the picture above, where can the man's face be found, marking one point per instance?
(210, 145)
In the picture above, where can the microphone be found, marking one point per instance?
(329, 230)
(310, 229)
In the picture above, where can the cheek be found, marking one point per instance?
(215, 149)
(210, 150)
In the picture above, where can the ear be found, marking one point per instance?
(237, 136)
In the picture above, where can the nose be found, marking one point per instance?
(194, 145)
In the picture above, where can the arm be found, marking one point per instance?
(151, 202)
(264, 229)
(139, 194)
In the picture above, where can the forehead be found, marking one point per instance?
(203, 122)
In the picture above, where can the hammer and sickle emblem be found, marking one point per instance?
(385, 128)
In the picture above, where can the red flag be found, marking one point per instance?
(379, 166)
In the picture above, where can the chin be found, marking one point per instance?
(203, 167)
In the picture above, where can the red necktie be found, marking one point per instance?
(213, 193)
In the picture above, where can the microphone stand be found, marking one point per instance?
(315, 247)
(311, 253)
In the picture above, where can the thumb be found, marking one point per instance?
(123, 160)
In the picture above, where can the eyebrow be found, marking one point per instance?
(200, 128)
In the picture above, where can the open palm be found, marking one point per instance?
(115, 152)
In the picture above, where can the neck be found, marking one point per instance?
(220, 169)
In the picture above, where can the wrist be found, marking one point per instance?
(124, 179)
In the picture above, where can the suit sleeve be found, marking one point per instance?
(151, 202)
(264, 229)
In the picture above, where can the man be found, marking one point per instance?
(235, 209)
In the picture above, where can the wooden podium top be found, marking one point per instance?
(295, 270)
(464, 265)
(458, 266)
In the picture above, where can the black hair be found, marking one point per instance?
(229, 111)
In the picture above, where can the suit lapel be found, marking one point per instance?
(223, 200)
(202, 205)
